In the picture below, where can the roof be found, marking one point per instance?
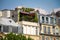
(6, 21)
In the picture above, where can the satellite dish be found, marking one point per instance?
(58, 13)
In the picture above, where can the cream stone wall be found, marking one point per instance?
(34, 37)
(30, 27)
(29, 23)
(42, 31)
(49, 37)
(51, 29)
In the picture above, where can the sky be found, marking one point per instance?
(47, 5)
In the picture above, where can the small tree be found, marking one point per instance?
(13, 36)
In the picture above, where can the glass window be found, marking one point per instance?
(40, 27)
(47, 38)
(48, 30)
(57, 38)
(36, 30)
(44, 29)
(15, 29)
(58, 20)
(51, 20)
(10, 21)
(53, 29)
(46, 19)
(13, 16)
(50, 38)
(43, 38)
(5, 29)
(42, 19)
(54, 20)
(57, 31)
(0, 28)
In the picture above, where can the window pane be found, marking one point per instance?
(42, 19)
(43, 38)
(48, 30)
(57, 38)
(0, 28)
(5, 29)
(46, 19)
(50, 38)
(47, 38)
(44, 29)
(15, 29)
(53, 29)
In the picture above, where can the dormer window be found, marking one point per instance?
(42, 19)
(46, 19)
(12, 16)
(10, 21)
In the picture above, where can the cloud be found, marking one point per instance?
(41, 11)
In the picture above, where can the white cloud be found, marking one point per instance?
(42, 11)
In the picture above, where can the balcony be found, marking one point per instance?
(28, 14)
(32, 17)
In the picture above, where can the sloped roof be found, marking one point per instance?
(6, 21)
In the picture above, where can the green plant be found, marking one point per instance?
(27, 9)
(29, 38)
(13, 36)
(29, 18)
(36, 18)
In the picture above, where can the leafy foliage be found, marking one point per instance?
(28, 18)
(27, 9)
(13, 36)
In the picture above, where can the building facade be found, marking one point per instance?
(46, 28)
(8, 25)
(30, 28)
(49, 29)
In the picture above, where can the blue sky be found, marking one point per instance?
(47, 5)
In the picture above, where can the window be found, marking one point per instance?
(36, 30)
(51, 20)
(44, 29)
(53, 29)
(40, 27)
(15, 29)
(50, 38)
(57, 38)
(47, 38)
(58, 20)
(5, 29)
(54, 20)
(57, 31)
(48, 30)
(0, 28)
(43, 38)
(42, 19)
(10, 21)
(46, 19)
(13, 16)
